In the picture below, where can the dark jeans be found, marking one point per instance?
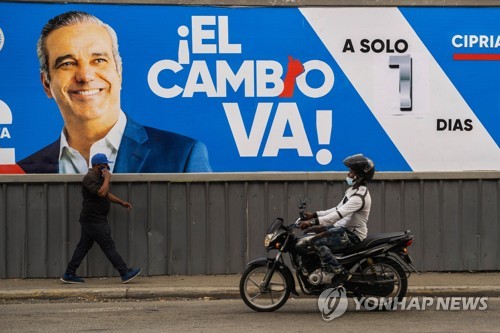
(338, 239)
(101, 234)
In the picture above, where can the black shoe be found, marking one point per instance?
(339, 278)
(131, 274)
(69, 278)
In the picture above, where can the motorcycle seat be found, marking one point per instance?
(373, 240)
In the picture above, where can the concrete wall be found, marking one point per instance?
(214, 224)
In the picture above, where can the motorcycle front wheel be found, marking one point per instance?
(263, 298)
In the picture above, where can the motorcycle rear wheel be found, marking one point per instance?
(392, 277)
(259, 298)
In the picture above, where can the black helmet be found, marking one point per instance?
(362, 166)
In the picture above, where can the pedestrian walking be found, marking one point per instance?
(97, 201)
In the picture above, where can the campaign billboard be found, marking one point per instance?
(267, 89)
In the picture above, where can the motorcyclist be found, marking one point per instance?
(344, 225)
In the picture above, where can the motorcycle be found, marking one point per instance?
(379, 266)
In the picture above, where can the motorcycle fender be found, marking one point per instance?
(284, 269)
(406, 265)
(260, 261)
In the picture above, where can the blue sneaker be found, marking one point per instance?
(68, 278)
(131, 274)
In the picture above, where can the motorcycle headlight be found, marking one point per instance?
(267, 239)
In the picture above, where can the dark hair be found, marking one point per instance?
(65, 20)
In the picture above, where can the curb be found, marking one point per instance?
(214, 293)
(123, 293)
(454, 291)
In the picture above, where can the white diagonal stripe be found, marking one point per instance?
(434, 96)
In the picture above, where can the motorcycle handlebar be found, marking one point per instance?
(296, 223)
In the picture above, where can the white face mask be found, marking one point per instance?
(349, 181)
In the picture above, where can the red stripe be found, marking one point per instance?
(475, 56)
(11, 169)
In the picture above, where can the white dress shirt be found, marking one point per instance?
(71, 161)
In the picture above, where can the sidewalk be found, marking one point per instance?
(225, 286)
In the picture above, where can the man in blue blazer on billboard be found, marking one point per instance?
(81, 68)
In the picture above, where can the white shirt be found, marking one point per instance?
(352, 212)
(71, 161)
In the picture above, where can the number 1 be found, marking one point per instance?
(404, 63)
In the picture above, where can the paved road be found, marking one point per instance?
(224, 315)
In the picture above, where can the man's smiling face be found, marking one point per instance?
(84, 80)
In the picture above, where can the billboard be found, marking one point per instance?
(274, 89)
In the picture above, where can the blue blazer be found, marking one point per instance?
(142, 150)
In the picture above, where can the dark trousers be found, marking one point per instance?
(338, 239)
(101, 234)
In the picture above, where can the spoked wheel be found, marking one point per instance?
(259, 297)
(388, 284)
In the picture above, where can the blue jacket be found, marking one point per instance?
(142, 150)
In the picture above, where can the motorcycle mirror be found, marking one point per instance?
(302, 203)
